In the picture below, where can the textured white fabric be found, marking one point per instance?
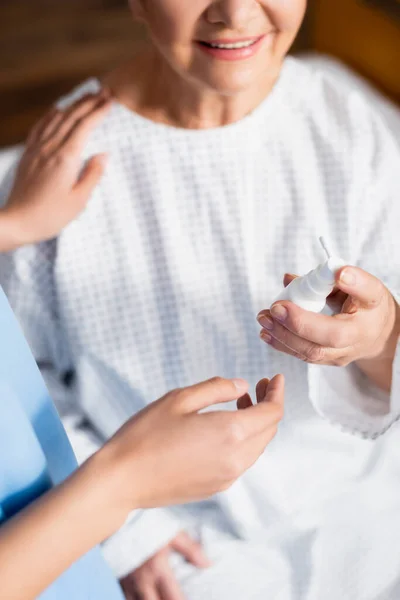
(157, 285)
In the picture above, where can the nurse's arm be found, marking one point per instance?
(140, 467)
(43, 540)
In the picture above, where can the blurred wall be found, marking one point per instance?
(363, 33)
(48, 46)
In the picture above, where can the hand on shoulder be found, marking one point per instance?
(50, 188)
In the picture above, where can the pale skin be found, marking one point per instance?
(174, 82)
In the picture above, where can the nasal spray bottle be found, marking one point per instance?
(311, 291)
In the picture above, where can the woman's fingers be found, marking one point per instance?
(169, 589)
(290, 324)
(139, 590)
(288, 278)
(280, 346)
(308, 352)
(190, 549)
(148, 592)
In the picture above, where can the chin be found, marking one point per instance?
(231, 82)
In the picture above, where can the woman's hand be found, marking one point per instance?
(50, 188)
(155, 579)
(365, 331)
(171, 454)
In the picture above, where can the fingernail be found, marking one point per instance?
(241, 385)
(266, 337)
(265, 321)
(279, 312)
(348, 277)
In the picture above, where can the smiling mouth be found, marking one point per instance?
(232, 49)
(230, 45)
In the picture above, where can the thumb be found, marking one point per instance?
(213, 391)
(91, 175)
(363, 288)
(191, 550)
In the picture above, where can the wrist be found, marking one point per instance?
(389, 349)
(379, 368)
(11, 235)
(111, 483)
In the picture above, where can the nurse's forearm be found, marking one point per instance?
(42, 541)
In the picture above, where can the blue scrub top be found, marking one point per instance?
(35, 454)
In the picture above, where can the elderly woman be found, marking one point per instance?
(227, 160)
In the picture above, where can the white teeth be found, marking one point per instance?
(233, 46)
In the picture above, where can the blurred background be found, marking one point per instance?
(49, 46)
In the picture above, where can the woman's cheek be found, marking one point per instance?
(286, 15)
(173, 21)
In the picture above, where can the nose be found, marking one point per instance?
(233, 14)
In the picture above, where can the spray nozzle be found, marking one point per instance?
(327, 271)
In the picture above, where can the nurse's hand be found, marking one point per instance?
(50, 187)
(365, 330)
(169, 453)
(201, 454)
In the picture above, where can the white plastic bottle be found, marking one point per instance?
(311, 291)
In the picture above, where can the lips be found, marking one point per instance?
(231, 44)
(232, 49)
